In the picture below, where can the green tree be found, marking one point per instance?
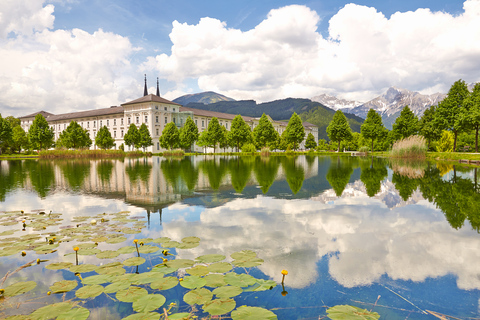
(294, 173)
(215, 133)
(449, 115)
(266, 171)
(240, 171)
(170, 136)
(5, 134)
(13, 121)
(472, 117)
(405, 125)
(372, 175)
(264, 132)
(240, 132)
(295, 132)
(40, 134)
(224, 141)
(339, 129)
(74, 137)
(145, 138)
(203, 140)
(338, 175)
(310, 142)
(427, 127)
(372, 128)
(19, 139)
(188, 134)
(104, 139)
(132, 137)
(445, 144)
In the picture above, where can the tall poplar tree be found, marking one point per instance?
(339, 129)
(170, 136)
(405, 125)
(295, 132)
(240, 132)
(74, 137)
(472, 117)
(145, 138)
(132, 137)
(40, 134)
(188, 134)
(214, 132)
(450, 110)
(5, 134)
(264, 133)
(427, 127)
(104, 138)
(372, 128)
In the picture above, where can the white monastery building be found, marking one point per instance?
(153, 110)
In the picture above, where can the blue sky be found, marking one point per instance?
(66, 55)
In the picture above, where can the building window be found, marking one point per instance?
(114, 133)
(128, 121)
(158, 145)
(156, 119)
(114, 122)
(203, 123)
(122, 133)
(146, 119)
(138, 120)
(157, 132)
(101, 123)
(82, 124)
(165, 108)
(173, 109)
(226, 125)
(174, 120)
(94, 123)
(108, 123)
(58, 127)
(196, 122)
(88, 124)
(166, 120)
(64, 126)
(121, 121)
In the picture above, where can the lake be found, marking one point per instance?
(397, 238)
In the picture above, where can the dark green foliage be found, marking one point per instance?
(171, 169)
(405, 125)
(264, 132)
(138, 170)
(215, 171)
(75, 172)
(310, 142)
(104, 139)
(188, 134)
(338, 175)
(104, 170)
(265, 170)
(215, 134)
(338, 129)
(170, 136)
(427, 127)
(471, 118)
(295, 132)
(74, 137)
(5, 134)
(373, 173)
(42, 176)
(372, 128)
(145, 138)
(451, 110)
(40, 134)
(189, 173)
(132, 137)
(240, 171)
(240, 132)
(294, 173)
(19, 139)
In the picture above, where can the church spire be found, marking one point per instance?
(158, 89)
(145, 91)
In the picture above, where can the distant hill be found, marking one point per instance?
(308, 110)
(203, 97)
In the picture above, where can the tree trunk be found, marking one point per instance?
(476, 138)
(338, 149)
(372, 145)
(455, 141)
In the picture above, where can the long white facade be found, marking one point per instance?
(156, 112)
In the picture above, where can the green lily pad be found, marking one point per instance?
(82, 268)
(90, 291)
(210, 258)
(179, 316)
(240, 280)
(243, 255)
(127, 249)
(19, 288)
(350, 312)
(198, 296)
(253, 262)
(135, 261)
(193, 282)
(88, 245)
(215, 280)
(187, 245)
(144, 316)
(148, 249)
(75, 314)
(88, 252)
(161, 240)
(130, 294)
(98, 279)
(191, 239)
(107, 254)
(220, 267)
(148, 302)
(253, 313)
(170, 244)
(100, 239)
(50, 311)
(261, 285)
(227, 291)
(116, 240)
(146, 277)
(59, 265)
(63, 286)
(180, 263)
(164, 283)
(219, 306)
(117, 286)
(115, 268)
(163, 269)
(198, 271)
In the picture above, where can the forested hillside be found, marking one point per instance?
(308, 110)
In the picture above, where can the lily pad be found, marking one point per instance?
(163, 269)
(198, 271)
(187, 245)
(215, 280)
(220, 267)
(243, 255)
(148, 249)
(59, 265)
(19, 288)
(240, 280)
(82, 268)
(161, 240)
(219, 306)
(148, 302)
(210, 258)
(88, 252)
(117, 286)
(253, 262)
(193, 282)
(75, 314)
(146, 277)
(262, 285)
(179, 316)
(135, 261)
(198, 296)
(350, 312)
(164, 283)
(180, 263)
(107, 254)
(98, 279)
(170, 244)
(50, 311)
(253, 313)
(130, 294)
(191, 239)
(63, 286)
(114, 268)
(227, 291)
(90, 291)
(116, 240)
(144, 316)
(127, 249)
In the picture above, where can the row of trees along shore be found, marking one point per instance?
(453, 125)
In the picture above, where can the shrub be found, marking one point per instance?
(364, 149)
(411, 147)
(445, 144)
(265, 151)
(175, 152)
(121, 147)
(249, 148)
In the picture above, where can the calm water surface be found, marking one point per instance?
(400, 239)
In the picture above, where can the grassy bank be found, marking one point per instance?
(54, 154)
